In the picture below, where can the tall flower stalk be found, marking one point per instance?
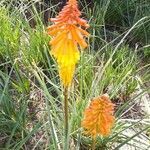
(68, 32)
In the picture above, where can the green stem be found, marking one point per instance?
(66, 118)
(93, 143)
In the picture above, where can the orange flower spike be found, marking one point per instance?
(98, 117)
(68, 36)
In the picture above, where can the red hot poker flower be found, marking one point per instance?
(98, 117)
(68, 34)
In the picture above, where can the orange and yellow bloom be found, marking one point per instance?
(98, 117)
(68, 32)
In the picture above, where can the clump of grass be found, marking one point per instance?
(9, 42)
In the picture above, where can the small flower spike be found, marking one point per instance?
(98, 117)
